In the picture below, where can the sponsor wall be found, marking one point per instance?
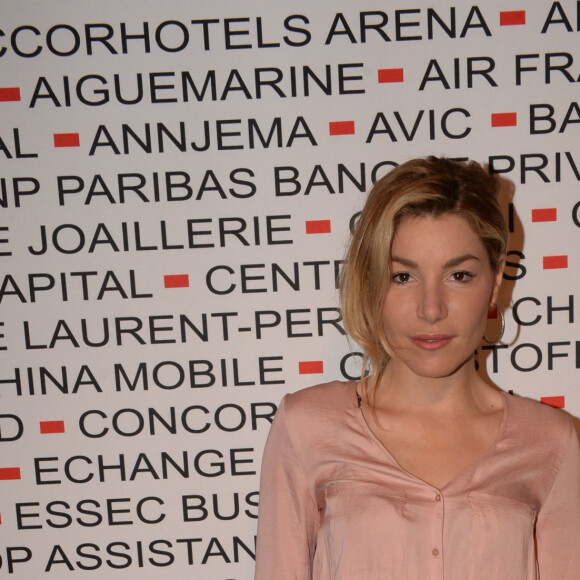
(176, 189)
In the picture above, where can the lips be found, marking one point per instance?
(431, 341)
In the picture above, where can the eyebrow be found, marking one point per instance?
(449, 264)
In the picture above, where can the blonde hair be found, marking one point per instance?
(428, 187)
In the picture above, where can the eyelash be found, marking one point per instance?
(396, 278)
(466, 277)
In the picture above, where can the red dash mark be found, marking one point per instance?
(9, 473)
(51, 427)
(512, 17)
(557, 402)
(546, 214)
(67, 140)
(176, 281)
(341, 127)
(391, 75)
(555, 262)
(318, 227)
(504, 119)
(311, 367)
(8, 94)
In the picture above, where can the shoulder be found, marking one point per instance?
(540, 422)
(313, 408)
(324, 393)
(325, 398)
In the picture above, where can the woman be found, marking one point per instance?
(421, 470)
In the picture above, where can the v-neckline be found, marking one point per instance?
(461, 473)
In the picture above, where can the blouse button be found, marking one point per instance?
(435, 552)
(437, 497)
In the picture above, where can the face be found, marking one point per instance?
(442, 286)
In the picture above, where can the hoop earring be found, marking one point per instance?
(498, 339)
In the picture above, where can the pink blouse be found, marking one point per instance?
(334, 504)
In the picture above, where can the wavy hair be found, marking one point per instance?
(429, 187)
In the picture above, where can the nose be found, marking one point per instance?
(432, 305)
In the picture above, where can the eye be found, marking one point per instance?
(461, 276)
(401, 278)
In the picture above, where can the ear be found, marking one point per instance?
(497, 280)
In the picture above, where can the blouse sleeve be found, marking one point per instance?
(558, 525)
(287, 513)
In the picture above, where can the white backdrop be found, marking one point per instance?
(177, 181)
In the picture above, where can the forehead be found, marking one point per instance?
(433, 236)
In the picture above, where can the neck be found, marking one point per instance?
(400, 388)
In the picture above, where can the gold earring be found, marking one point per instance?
(498, 339)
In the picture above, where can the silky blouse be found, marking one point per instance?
(334, 504)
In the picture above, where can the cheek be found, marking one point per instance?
(394, 313)
(479, 310)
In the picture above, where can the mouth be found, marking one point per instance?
(431, 341)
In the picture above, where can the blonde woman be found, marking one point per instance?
(421, 470)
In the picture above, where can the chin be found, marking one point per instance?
(441, 369)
